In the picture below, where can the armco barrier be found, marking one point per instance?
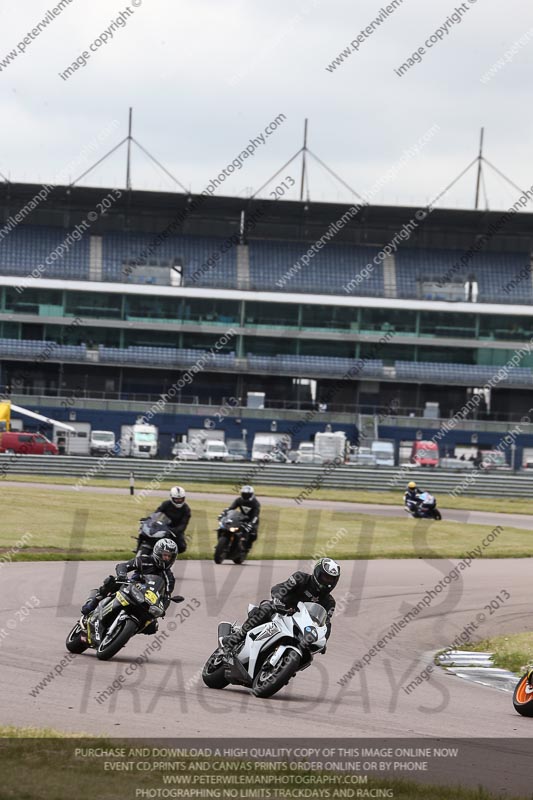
(491, 484)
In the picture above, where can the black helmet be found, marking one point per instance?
(326, 574)
(247, 493)
(164, 553)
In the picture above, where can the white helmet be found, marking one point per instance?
(177, 495)
(247, 493)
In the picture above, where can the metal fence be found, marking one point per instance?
(85, 469)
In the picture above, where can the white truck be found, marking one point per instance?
(330, 446)
(383, 453)
(74, 442)
(139, 440)
(271, 447)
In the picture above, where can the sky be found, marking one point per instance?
(205, 77)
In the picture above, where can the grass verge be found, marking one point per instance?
(92, 526)
(495, 504)
(513, 651)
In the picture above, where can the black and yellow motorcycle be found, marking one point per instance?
(136, 606)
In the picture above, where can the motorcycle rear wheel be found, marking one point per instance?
(121, 636)
(268, 682)
(213, 671)
(522, 699)
(74, 643)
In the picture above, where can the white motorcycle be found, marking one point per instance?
(271, 654)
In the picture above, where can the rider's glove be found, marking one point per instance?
(122, 574)
(278, 605)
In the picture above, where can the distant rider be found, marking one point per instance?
(178, 514)
(412, 496)
(250, 507)
(159, 562)
(301, 587)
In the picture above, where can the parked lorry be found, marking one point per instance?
(330, 446)
(74, 442)
(425, 454)
(139, 440)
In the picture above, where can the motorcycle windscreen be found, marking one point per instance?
(317, 613)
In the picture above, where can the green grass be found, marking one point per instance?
(47, 768)
(57, 521)
(495, 504)
(512, 651)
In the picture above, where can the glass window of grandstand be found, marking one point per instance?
(388, 352)
(220, 312)
(34, 301)
(148, 308)
(446, 355)
(335, 349)
(221, 343)
(388, 319)
(498, 326)
(269, 346)
(330, 318)
(93, 304)
(136, 338)
(74, 334)
(271, 314)
(449, 324)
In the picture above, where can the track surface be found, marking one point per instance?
(453, 515)
(166, 698)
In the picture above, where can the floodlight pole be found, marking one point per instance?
(304, 151)
(479, 166)
(128, 157)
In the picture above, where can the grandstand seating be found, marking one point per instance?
(327, 272)
(192, 251)
(492, 271)
(27, 247)
(39, 350)
(501, 277)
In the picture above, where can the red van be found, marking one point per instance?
(425, 454)
(34, 444)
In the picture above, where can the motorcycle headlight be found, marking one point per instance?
(233, 530)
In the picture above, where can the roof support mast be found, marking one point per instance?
(304, 151)
(479, 166)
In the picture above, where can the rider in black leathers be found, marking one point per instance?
(250, 508)
(159, 562)
(300, 587)
(176, 517)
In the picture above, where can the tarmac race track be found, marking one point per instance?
(166, 697)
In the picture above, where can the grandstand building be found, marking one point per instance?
(356, 309)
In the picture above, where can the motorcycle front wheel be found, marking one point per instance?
(523, 697)
(270, 680)
(112, 643)
(221, 550)
(213, 671)
(74, 643)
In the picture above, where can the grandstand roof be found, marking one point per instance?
(153, 212)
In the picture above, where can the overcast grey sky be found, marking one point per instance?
(206, 76)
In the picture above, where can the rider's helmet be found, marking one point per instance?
(326, 574)
(177, 495)
(247, 493)
(411, 486)
(164, 553)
